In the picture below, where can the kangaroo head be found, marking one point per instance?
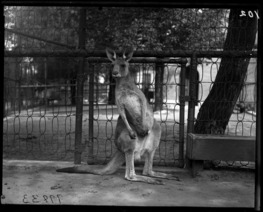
(120, 64)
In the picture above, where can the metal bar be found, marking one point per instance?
(45, 86)
(258, 159)
(101, 53)
(191, 110)
(39, 38)
(192, 94)
(138, 60)
(19, 93)
(79, 96)
(182, 109)
(158, 103)
(91, 113)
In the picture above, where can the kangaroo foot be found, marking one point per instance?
(163, 175)
(139, 178)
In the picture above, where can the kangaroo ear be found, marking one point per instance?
(111, 54)
(128, 56)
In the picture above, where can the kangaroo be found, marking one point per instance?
(137, 132)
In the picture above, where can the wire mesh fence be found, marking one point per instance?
(41, 122)
(243, 119)
(41, 72)
(38, 109)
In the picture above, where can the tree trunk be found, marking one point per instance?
(216, 110)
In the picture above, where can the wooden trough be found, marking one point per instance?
(202, 147)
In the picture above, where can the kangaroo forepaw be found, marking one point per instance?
(132, 134)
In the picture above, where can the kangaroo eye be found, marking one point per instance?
(123, 65)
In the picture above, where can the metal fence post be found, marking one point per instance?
(191, 105)
(158, 103)
(80, 85)
(45, 75)
(182, 109)
(192, 94)
(91, 113)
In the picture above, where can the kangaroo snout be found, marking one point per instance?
(116, 73)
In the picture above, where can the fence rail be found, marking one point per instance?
(157, 54)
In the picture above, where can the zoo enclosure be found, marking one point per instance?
(35, 107)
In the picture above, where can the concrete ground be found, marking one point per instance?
(37, 182)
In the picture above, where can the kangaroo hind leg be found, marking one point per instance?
(130, 171)
(147, 170)
(153, 141)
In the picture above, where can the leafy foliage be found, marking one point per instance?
(143, 28)
(157, 28)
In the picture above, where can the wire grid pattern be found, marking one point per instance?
(39, 110)
(243, 119)
(39, 120)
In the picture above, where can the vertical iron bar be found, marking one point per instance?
(191, 103)
(45, 92)
(192, 94)
(19, 92)
(158, 103)
(182, 110)
(79, 96)
(97, 88)
(91, 113)
(258, 158)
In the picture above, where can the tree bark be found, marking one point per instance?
(216, 110)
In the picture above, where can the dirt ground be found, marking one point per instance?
(37, 182)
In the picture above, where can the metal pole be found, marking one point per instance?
(91, 113)
(158, 103)
(79, 96)
(182, 109)
(45, 91)
(191, 106)
(144, 54)
(258, 159)
(192, 94)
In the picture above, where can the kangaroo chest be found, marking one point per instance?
(130, 101)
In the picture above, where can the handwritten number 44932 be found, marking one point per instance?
(249, 14)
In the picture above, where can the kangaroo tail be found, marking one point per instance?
(117, 160)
